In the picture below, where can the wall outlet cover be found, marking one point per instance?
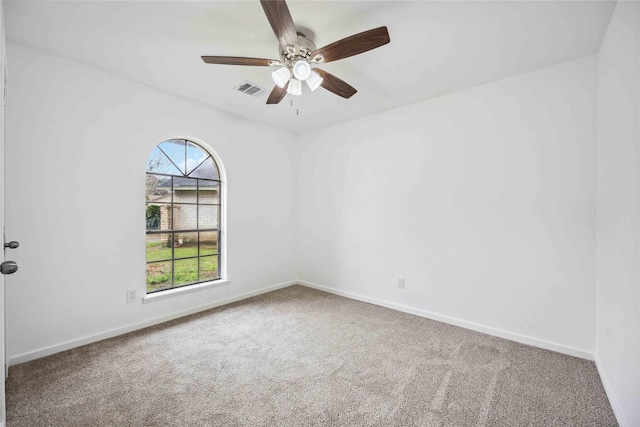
(131, 295)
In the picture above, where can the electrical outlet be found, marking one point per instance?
(401, 282)
(131, 295)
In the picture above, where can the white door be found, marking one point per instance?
(3, 88)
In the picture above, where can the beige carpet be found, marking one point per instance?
(300, 357)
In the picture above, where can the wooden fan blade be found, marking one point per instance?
(239, 60)
(277, 94)
(335, 85)
(281, 22)
(353, 45)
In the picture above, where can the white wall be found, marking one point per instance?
(618, 213)
(77, 144)
(483, 200)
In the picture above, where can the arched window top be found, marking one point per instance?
(179, 157)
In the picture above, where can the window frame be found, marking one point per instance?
(221, 278)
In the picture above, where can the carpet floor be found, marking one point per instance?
(301, 357)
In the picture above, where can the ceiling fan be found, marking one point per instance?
(298, 53)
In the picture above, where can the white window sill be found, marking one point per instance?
(158, 296)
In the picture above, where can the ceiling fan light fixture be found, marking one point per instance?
(314, 81)
(298, 53)
(301, 70)
(295, 87)
(281, 76)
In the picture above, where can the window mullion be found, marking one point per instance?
(173, 240)
(198, 223)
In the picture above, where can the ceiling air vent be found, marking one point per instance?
(251, 89)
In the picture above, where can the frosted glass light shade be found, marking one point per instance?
(281, 76)
(295, 87)
(314, 80)
(301, 70)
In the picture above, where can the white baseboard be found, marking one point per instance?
(615, 405)
(32, 355)
(547, 345)
(25, 357)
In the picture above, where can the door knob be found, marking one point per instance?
(8, 267)
(12, 245)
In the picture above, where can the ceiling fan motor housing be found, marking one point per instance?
(306, 47)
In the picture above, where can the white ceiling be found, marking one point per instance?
(436, 47)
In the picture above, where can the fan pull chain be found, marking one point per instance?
(295, 106)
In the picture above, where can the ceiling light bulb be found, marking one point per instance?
(314, 80)
(295, 87)
(281, 76)
(301, 70)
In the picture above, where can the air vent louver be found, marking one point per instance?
(250, 89)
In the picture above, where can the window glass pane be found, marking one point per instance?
(158, 276)
(159, 163)
(184, 217)
(208, 268)
(185, 245)
(207, 169)
(158, 217)
(186, 271)
(158, 247)
(208, 216)
(209, 192)
(209, 243)
(175, 150)
(185, 190)
(195, 156)
(158, 188)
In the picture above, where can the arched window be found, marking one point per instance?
(183, 208)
